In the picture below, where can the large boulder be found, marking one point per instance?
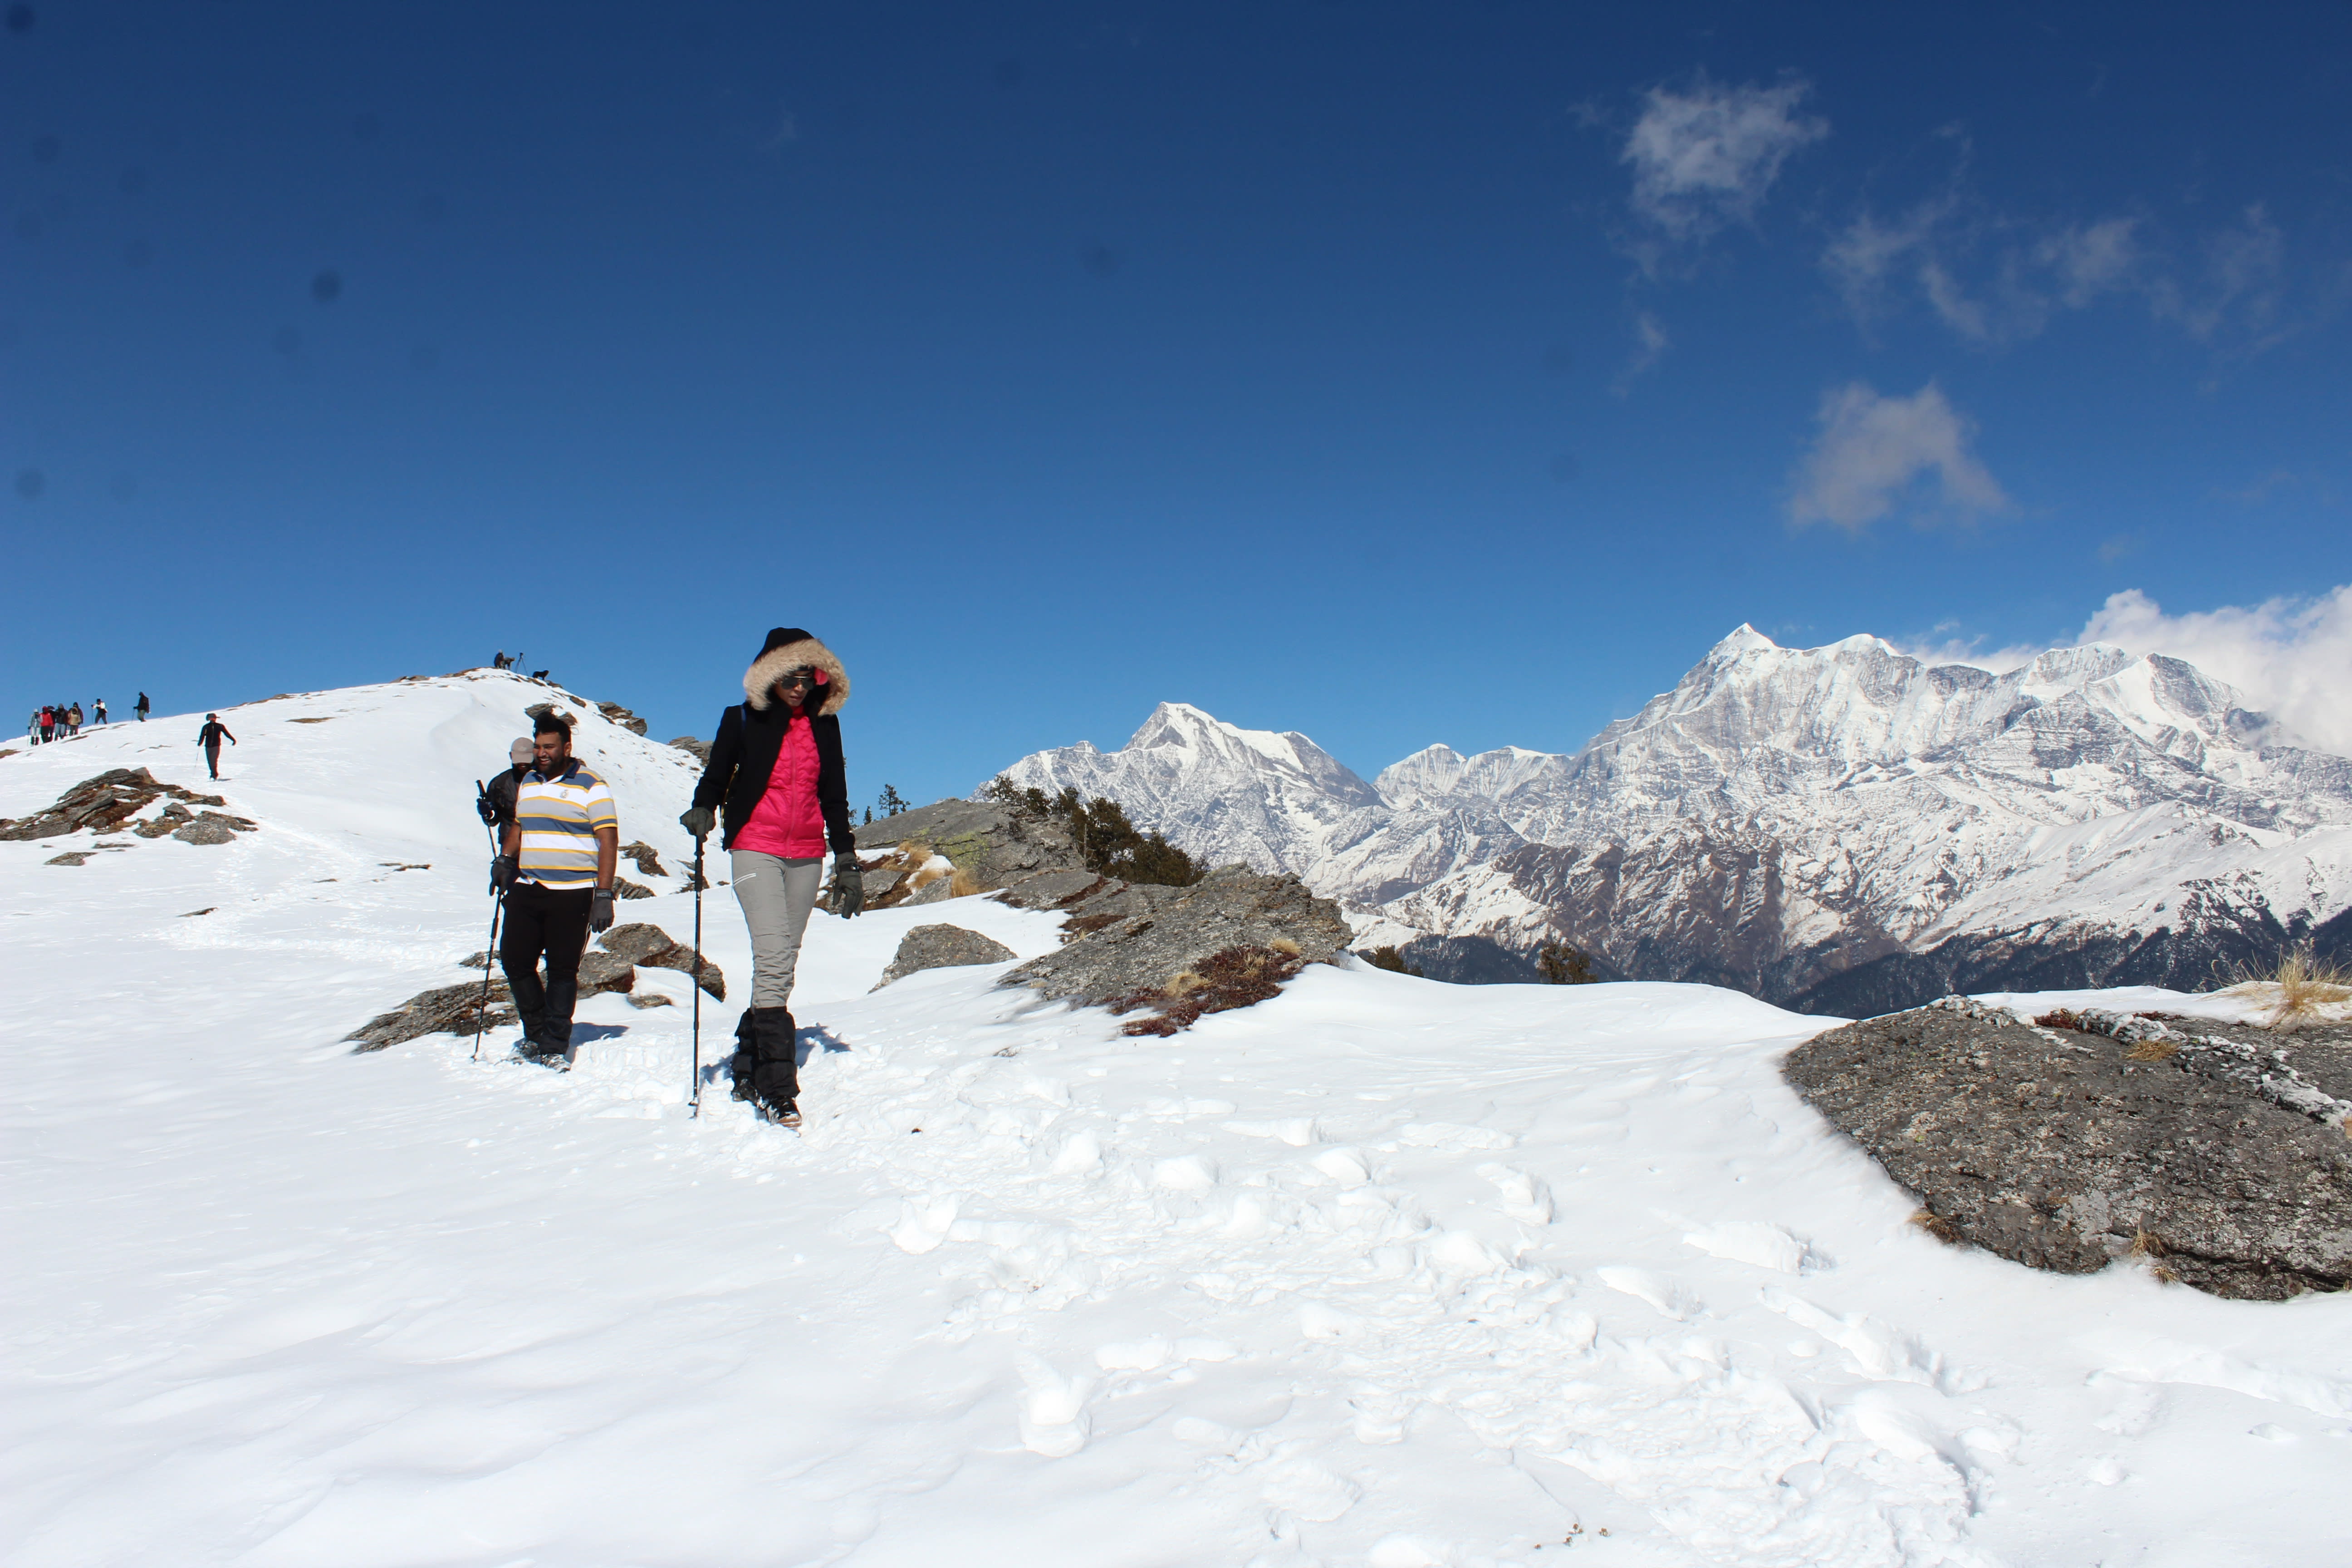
(2217, 1153)
(1128, 941)
(941, 947)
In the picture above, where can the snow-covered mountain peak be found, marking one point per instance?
(1743, 639)
(1429, 772)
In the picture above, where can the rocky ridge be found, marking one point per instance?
(1172, 952)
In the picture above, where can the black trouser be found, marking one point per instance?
(554, 922)
(212, 759)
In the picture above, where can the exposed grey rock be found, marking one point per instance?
(625, 889)
(2064, 1149)
(70, 858)
(698, 749)
(444, 1009)
(602, 972)
(937, 890)
(641, 942)
(648, 861)
(212, 827)
(104, 803)
(993, 846)
(1050, 890)
(1153, 934)
(623, 717)
(449, 1009)
(941, 947)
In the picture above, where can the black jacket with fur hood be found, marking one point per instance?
(752, 733)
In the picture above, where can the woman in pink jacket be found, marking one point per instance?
(776, 779)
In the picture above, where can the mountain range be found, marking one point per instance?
(1844, 829)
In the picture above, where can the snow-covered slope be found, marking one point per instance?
(1379, 1272)
(1844, 826)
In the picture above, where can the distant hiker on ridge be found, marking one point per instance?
(98, 712)
(556, 871)
(141, 709)
(209, 738)
(497, 803)
(775, 768)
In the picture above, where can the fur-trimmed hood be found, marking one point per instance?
(789, 648)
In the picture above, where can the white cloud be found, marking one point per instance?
(1706, 157)
(1872, 448)
(2292, 657)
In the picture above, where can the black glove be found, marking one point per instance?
(600, 910)
(848, 887)
(488, 809)
(698, 820)
(502, 873)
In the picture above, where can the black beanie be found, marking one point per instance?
(779, 637)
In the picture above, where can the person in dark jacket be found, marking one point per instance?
(776, 779)
(210, 738)
(497, 803)
(141, 708)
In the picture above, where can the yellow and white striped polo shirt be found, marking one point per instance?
(558, 818)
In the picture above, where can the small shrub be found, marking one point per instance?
(2063, 1018)
(1234, 978)
(1936, 1225)
(2151, 1051)
(1562, 964)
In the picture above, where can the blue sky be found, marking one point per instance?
(1390, 373)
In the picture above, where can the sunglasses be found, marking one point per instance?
(803, 677)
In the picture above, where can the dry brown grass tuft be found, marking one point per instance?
(2302, 984)
(962, 884)
(1936, 1225)
(2151, 1051)
(1285, 946)
(2150, 1248)
(1233, 978)
(1183, 984)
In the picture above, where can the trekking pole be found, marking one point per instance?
(694, 1099)
(482, 1007)
(498, 908)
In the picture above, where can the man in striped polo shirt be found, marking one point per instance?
(557, 873)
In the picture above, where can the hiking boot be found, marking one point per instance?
(781, 1112)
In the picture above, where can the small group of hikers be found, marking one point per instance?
(776, 792)
(62, 722)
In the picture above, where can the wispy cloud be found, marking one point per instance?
(1650, 345)
(1964, 650)
(1706, 156)
(2292, 657)
(1995, 279)
(1873, 450)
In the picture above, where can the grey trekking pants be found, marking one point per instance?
(777, 896)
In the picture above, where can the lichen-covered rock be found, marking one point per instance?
(941, 947)
(1152, 935)
(2064, 1149)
